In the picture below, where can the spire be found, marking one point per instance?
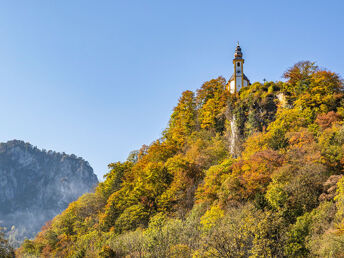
(238, 53)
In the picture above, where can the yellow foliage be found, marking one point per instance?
(211, 217)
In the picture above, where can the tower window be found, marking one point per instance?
(238, 64)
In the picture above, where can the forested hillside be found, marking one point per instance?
(253, 174)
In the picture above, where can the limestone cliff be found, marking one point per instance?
(36, 185)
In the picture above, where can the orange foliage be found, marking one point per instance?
(300, 138)
(327, 120)
(251, 176)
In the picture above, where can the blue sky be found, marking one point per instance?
(100, 78)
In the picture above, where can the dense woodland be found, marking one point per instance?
(257, 174)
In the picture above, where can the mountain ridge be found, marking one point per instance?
(36, 185)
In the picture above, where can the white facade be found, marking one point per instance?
(232, 86)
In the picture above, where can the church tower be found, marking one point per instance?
(238, 79)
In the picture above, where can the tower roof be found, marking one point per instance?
(232, 78)
(238, 53)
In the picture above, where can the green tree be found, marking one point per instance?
(183, 119)
(113, 179)
(212, 100)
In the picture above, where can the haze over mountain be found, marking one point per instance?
(36, 185)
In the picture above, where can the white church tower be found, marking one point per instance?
(238, 79)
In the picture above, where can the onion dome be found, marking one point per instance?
(238, 53)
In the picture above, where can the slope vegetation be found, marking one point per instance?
(257, 174)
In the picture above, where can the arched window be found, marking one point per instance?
(238, 64)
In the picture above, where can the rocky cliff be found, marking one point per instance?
(36, 185)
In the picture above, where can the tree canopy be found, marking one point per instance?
(186, 195)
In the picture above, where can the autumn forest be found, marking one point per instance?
(253, 174)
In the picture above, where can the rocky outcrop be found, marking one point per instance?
(36, 185)
(234, 138)
(330, 188)
(233, 133)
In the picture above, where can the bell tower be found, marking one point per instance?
(238, 79)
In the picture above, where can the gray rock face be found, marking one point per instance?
(36, 185)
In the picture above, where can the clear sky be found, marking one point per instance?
(100, 78)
